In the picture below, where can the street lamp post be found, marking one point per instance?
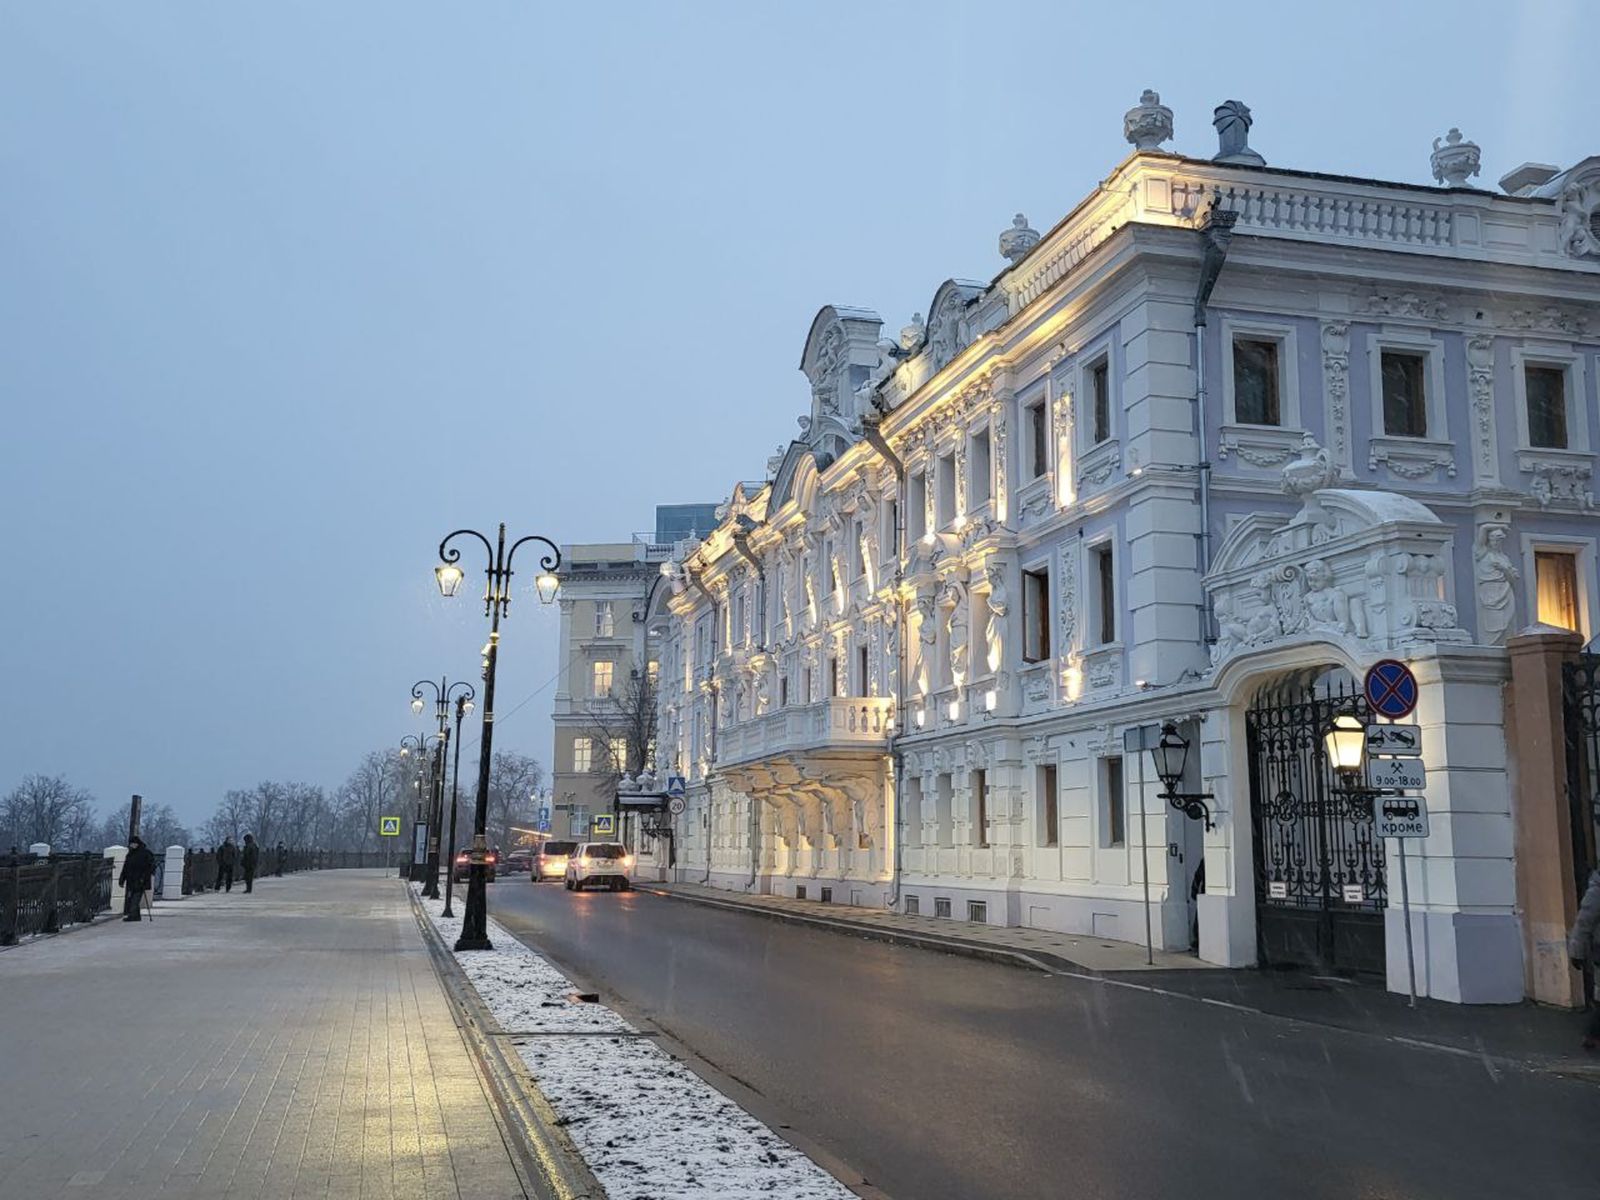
(496, 603)
(441, 702)
(463, 707)
(417, 743)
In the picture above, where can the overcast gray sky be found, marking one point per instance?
(288, 290)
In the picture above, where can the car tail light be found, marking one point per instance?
(627, 862)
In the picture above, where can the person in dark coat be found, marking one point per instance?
(227, 856)
(1583, 947)
(249, 860)
(137, 871)
(281, 853)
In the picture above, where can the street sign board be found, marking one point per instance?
(1391, 689)
(419, 842)
(605, 823)
(676, 805)
(1396, 774)
(388, 826)
(1394, 741)
(1354, 893)
(1402, 817)
(676, 785)
(1278, 889)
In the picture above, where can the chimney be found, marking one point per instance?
(1233, 122)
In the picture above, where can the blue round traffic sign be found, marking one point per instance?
(1391, 689)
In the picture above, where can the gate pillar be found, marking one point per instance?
(1542, 824)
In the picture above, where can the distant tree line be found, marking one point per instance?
(48, 808)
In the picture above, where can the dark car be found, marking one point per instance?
(518, 862)
(464, 866)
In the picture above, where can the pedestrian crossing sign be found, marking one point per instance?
(388, 826)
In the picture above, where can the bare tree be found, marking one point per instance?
(513, 780)
(623, 729)
(46, 808)
(158, 826)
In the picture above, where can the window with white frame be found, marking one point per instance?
(1098, 382)
(1049, 815)
(1036, 614)
(601, 678)
(605, 624)
(1036, 419)
(582, 754)
(944, 498)
(981, 483)
(617, 754)
(1257, 380)
(1549, 385)
(1113, 803)
(1103, 576)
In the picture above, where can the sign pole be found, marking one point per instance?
(1405, 909)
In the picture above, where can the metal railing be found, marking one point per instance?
(44, 895)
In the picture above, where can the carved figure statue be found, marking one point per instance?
(911, 335)
(1496, 578)
(763, 692)
(1327, 608)
(1265, 624)
(999, 603)
(1231, 631)
(959, 632)
(927, 645)
(868, 554)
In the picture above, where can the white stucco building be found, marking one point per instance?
(1222, 437)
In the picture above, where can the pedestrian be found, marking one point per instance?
(1582, 945)
(249, 859)
(281, 852)
(227, 855)
(137, 871)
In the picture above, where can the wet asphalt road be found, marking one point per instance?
(940, 1078)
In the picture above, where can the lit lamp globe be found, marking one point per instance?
(467, 706)
(1345, 743)
(416, 705)
(547, 585)
(449, 577)
(1171, 755)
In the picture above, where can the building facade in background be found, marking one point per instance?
(1199, 455)
(605, 662)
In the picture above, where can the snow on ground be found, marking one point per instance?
(649, 1128)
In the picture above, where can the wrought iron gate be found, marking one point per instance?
(1321, 887)
(1580, 694)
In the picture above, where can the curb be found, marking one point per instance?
(1024, 960)
(549, 1164)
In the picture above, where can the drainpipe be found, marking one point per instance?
(871, 429)
(1215, 236)
(716, 624)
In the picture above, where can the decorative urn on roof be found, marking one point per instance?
(1149, 124)
(1454, 160)
(1018, 240)
(911, 335)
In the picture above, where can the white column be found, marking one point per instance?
(172, 875)
(116, 854)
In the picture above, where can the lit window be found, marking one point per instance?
(617, 753)
(604, 621)
(602, 680)
(582, 754)
(1255, 382)
(1546, 389)
(1556, 582)
(1405, 399)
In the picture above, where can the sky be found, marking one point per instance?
(290, 290)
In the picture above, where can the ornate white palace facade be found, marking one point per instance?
(1200, 454)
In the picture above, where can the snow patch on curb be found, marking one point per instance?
(649, 1128)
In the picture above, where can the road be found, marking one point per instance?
(940, 1078)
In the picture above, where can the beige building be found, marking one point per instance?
(604, 653)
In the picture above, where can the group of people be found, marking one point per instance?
(139, 870)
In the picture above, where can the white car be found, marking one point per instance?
(551, 860)
(600, 862)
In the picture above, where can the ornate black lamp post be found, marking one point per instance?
(417, 744)
(463, 707)
(496, 603)
(442, 692)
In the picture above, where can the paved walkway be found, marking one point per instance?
(1069, 950)
(290, 1043)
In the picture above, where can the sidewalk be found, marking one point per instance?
(1058, 951)
(295, 1042)
(1524, 1035)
